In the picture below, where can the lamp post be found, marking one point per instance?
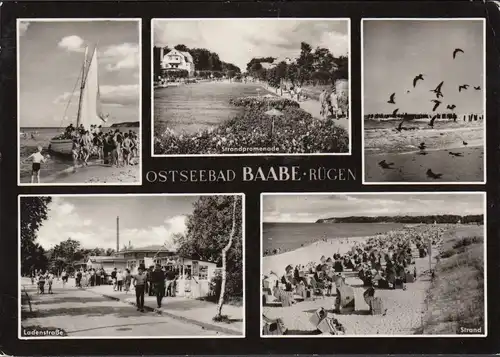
(273, 113)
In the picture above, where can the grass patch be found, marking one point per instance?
(456, 295)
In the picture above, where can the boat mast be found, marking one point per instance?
(82, 86)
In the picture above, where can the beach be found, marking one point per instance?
(59, 169)
(445, 152)
(407, 311)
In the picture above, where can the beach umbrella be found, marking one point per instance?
(273, 113)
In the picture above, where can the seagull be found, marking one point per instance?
(451, 107)
(383, 164)
(431, 123)
(395, 112)
(459, 154)
(463, 86)
(456, 51)
(437, 90)
(400, 126)
(465, 143)
(422, 146)
(477, 88)
(436, 104)
(433, 175)
(415, 80)
(391, 100)
(407, 91)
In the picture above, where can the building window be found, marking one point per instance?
(203, 272)
(187, 272)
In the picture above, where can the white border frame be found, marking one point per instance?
(139, 24)
(348, 153)
(243, 307)
(485, 231)
(483, 182)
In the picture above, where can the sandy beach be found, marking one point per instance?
(410, 164)
(404, 307)
(95, 173)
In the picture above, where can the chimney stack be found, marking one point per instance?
(117, 234)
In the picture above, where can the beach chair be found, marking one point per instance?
(273, 327)
(317, 290)
(317, 316)
(377, 306)
(344, 303)
(332, 326)
(409, 278)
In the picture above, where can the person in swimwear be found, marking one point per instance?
(127, 149)
(37, 158)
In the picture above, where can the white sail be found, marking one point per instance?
(90, 106)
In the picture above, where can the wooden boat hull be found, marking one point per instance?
(61, 146)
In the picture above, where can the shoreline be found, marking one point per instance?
(95, 172)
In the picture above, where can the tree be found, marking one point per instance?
(110, 252)
(182, 48)
(34, 210)
(225, 250)
(207, 233)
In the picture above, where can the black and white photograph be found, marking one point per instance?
(131, 266)
(79, 102)
(424, 101)
(250, 86)
(373, 264)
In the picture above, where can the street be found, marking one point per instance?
(82, 313)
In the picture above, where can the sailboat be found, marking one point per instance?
(89, 104)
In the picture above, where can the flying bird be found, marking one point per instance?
(433, 175)
(391, 100)
(463, 86)
(456, 154)
(415, 80)
(400, 126)
(456, 51)
(437, 90)
(477, 88)
(436, 104)
(395, 112)
(431, 123)
(385, 165)
(451, 107)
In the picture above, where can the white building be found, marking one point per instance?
(177, 60)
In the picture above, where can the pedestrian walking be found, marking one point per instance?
(119, 279)
(128, 280)
(158, 280)
(41, 283)
(78, 279)
(50, 280)
(139, 284)
(113, 277)
(64, 277)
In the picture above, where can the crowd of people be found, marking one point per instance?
(113, 147)
(383, 262)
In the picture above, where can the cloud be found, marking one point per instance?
(117, 95)
(118, 57)
(72, 43)
(250, 38)
(23, 27)
(309, 208)
(65, 221)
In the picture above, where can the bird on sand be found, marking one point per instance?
(456, 51)
(407, 91)
(465, 143)
(433, 119)
(385, 165)
(456, 154)
(436, 104)
(477, 88)
(463, 86)
(415, 80)
(451, 107)
(395, 112)
(391, 99)
(433, 175)
(422, 146)
(437, 90)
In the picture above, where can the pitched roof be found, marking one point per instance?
(187, 56)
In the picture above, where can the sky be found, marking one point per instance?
(51, 55)
(237, 41)
(394, 52)
(309, 208)
(144, 221)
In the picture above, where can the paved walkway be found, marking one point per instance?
(311, 106)
(81, 313)
(194, 311)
